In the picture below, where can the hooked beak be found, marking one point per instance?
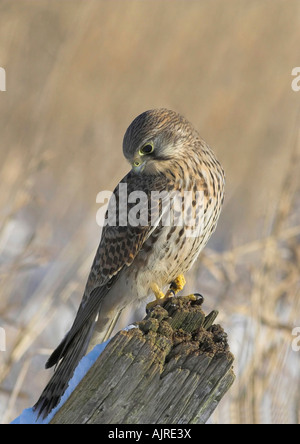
(138, 165)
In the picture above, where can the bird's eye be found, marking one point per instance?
(146, 149)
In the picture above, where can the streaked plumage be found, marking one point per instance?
(130, 258)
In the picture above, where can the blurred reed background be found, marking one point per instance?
(77, 73)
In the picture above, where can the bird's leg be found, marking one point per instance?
(176, 286)
(160, 297)
(157, 292)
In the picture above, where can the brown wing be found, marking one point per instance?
(118, 247)
(120, 244)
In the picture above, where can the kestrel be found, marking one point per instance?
(168, 158)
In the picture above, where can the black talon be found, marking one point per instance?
(199, 298)
(173, 286)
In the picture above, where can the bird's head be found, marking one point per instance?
(155, 139)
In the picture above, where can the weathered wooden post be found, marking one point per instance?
(172, 369)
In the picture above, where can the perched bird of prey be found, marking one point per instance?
(168, 158)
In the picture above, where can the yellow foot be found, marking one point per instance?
(157, 292)
(176, 286)
(159, 295)
(190, 297)
(193, 297)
